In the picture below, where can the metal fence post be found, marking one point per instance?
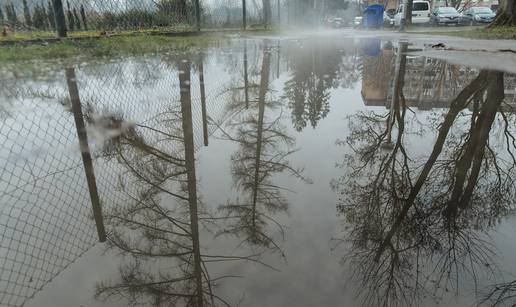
(246, 79)
(203, 101)
(198, 15)
(59, 18)
(186, 115)
(85, 152)
(244, 15)
(279, 13)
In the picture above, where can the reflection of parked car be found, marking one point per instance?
(420, 13)
(335, 22)
(477, 15)
(357, 23)
(444, 16)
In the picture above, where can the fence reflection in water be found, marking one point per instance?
(55, 176)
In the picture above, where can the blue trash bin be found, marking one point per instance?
(373, 16)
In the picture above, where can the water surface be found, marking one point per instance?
(316, 171)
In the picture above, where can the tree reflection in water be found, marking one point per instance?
(157, 230)
(264, 149)
(417, 226)
(315, 72)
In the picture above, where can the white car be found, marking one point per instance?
(357, 23)
(420, 13)
(387, 20)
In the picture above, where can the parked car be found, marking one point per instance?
(477, 15)
(357, 23)
(444, 16)
(335, 23)
(420, 13)
(388, 17)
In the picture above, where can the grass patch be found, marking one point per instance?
(21, 36)
(482, 33)
(99, 47)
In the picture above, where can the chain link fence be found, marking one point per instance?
(39, 19)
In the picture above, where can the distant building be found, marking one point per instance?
(429, 83)
(377, 73)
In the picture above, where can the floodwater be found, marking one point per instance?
(301, 171)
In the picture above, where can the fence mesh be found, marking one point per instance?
(37, 18)
(46, 219)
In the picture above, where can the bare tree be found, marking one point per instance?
(410, 237)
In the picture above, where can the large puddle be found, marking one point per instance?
(315, 171)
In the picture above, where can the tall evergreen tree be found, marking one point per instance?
(26, 14)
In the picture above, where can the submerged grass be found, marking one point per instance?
(99, 47)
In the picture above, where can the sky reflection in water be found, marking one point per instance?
(315, 172)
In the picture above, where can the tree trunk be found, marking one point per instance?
(456, 106)
(408, 12)
(264, 86)
(495, 97)
(507, 14)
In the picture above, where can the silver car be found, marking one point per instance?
(477, 15)
(444, 16)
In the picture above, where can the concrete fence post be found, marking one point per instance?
(59, 18)
(197, 15)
